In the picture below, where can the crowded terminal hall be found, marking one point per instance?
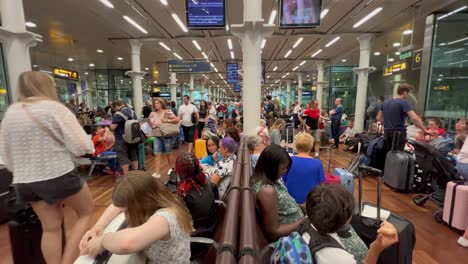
(230, 131)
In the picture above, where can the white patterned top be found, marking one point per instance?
(176, 250)
(30, 153)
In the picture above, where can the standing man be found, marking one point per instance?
(335, 116)
(393, 114)
(126, 153)
(186, 110)
(296, 110)
(374, 109)
(311, 124)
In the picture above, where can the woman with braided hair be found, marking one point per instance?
(197, 194)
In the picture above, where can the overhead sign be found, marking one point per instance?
(417, 59)
(307, 93)
(405, 55)
(394, 69)
(159, 94)
(65, 74)
(237, 88)
(205, 14)
(442, 88)
(232, 76)
(189, 66)
(314, 88)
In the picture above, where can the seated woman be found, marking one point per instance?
(233, 133)
(433, 131)
(255, 146)
(329, 211)
(279, 213)
(103, 141)
(305, 172)
(159, 224)
(275, 131)
(222, 173)
(262, 131)
(212, 146)
(199, 197)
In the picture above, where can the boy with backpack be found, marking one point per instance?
(127, 132)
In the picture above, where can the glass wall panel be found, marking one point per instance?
(447, 95)
(340, 83)
(4, 99)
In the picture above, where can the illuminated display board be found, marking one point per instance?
(442, 88)
(394, 69)
(65, 74)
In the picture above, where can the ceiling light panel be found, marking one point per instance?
(316, 53)
(369, 16)
(135, 24)
(195, 43)
(299, 40)
(287, 53)
(164, 46)
(453, 12)
(332, 42)
(177, 55)
(263, 43)
(107, 3)
(272, 17)
(179, 22)
(163, 2)
(229, 41)
(324, 13)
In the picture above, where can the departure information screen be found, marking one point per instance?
(232, 76)
(205, 14)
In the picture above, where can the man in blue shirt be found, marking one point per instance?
(335, 116)
(126, 153)
(393, 114)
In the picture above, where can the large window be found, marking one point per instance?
(340, 83)
(447, 96)
(4, 100)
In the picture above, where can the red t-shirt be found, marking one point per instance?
(440, 131)
(99, 146)
(312, 113)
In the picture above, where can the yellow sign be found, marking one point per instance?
(314, 88)
(3, 91)
(395, 68)
(442, 88)
(65, 74)
(156, 89)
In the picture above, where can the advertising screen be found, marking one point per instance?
(205, 14)
(232, 76)
(300, 13)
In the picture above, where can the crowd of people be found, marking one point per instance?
(288, 186)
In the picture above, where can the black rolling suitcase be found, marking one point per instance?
(399, 169)
(366, 228)
(289, 132)
(5, 181)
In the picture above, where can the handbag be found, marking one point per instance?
(169, 129)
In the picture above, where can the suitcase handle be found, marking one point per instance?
(362, 169)
(329, 157)
(398, 133)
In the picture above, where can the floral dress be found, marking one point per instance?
(224, 169)
(288, 210)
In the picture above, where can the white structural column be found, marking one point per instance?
(288, 96)
(279, 93)
(192, 86)
(320, 83)
(136, 75)
(299, 87)
(16, 42)
(251, 34)
(173, 85)
(202, 91)
(365, 42)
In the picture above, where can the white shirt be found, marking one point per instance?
(296, 109)
(186, 112)
(212, 113)
(30, 153)
(350, 132)
(331, 255)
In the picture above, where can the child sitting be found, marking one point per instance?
(329, 211)
(103, 141)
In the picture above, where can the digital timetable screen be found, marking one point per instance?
(232, 76)
(205, 14)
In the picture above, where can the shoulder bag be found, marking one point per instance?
(169, 129)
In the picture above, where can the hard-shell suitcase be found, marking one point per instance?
(346, 178)
(6, 179)
(399, 169)
(456, 205)
(289, 132)
(366, 228)
(200, 148)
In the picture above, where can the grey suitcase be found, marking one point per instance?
(399, 169)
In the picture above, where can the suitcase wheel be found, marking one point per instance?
(438, 216)
(420, 199)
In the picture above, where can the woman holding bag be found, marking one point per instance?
(163, 122)
(39, 139)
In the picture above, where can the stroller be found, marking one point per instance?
(438, 169)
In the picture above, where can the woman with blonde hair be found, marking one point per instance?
(159, 224)
(163, 145)
(275, 131)
(262, 131)
(44, 168)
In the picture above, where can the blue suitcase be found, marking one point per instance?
(346, 178)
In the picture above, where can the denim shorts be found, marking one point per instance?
(51, 191)
(163, 145)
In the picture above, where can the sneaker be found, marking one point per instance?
(117, 174)
(463, 242)
(170, 171)
(156, 175)
(108, 171)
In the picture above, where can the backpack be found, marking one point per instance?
(444, 145)
(132, 130)
(291, 249)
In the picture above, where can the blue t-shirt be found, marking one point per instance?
(120, 121)
(338, 114)
(304, 175)
(395, 112)
(208, 159)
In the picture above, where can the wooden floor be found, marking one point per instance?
(435, 243)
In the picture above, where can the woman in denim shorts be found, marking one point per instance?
(38, 142)
(162, 145)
